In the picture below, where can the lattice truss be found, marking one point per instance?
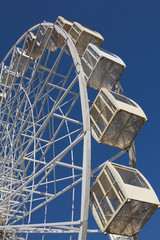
(39, 110)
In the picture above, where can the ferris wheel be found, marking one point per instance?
(45, 129)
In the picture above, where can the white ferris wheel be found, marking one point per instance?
(46, 120)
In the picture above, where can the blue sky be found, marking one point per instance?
(131, 31)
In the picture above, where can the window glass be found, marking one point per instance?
(86, 68)
(107, 114)
(108, 101)
(90, 59)
(74, 35)
(106, 209)
(110, 175)
(100, 217)
(93, 52)
(96, 130)
(97, 208)
(113, 55)
(98, 192)
(94, 113)
(113, 199)
(105, 183)
(60, 22)
(131, 177)
(101, 123)
(120, 193)
(123, 99)
(77, 28)
(100, 103)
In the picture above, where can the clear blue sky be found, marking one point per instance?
(131, 30)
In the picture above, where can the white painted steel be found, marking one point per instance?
(22, 188)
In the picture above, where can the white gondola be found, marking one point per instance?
(20, 60)
(115, 119)
(66, 25)
(101, 68)
(32, 47)
(82, 36)
(122, 200)
(35, 44)
(42, 37)
(8, 76)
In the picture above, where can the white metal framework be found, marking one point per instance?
(122, 200)
(45, 137)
